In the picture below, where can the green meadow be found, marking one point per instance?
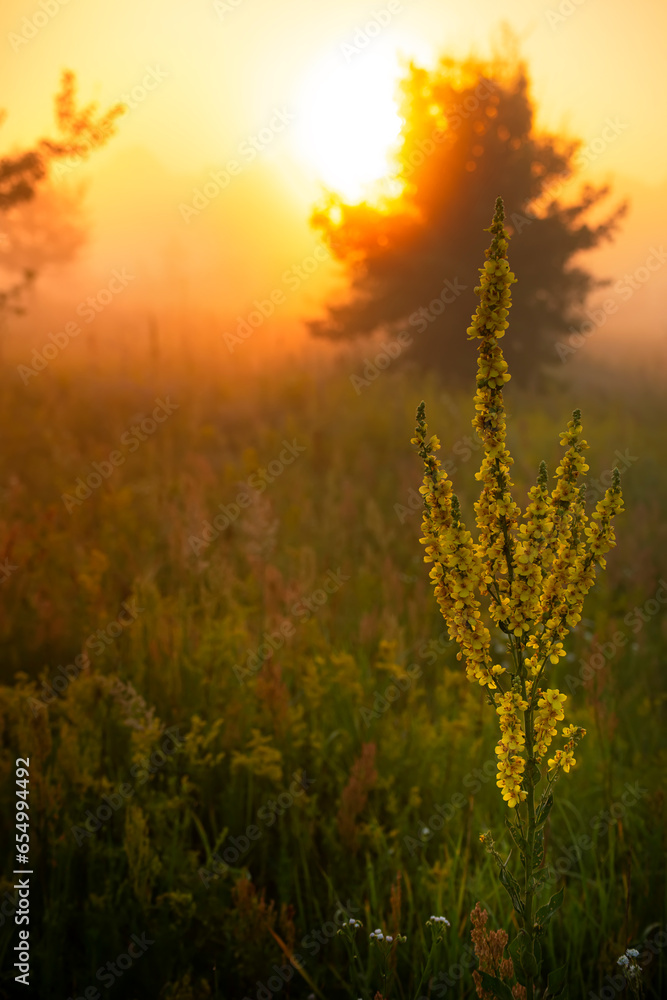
(245, 719)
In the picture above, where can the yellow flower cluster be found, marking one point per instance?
(456, 569)
(510, 746)
(564, 758)
(549, 712)
(496, 510)
(536, 573)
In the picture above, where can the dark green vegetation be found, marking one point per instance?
(364, 697)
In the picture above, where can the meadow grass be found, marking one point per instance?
(364, 700)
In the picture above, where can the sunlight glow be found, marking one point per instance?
(349, 125)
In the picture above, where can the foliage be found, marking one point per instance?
(35, 234)
(469, 131)
(370, 666)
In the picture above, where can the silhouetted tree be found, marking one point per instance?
(38, 224)
(469, 135)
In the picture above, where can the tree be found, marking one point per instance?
(469, 135)
(39, 225)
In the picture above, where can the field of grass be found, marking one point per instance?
(267, 730)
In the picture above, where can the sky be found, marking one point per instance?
(275, 98)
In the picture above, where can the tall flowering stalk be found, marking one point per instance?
(532, 571)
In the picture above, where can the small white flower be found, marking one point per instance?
(425, 831)
(623, 960)
(389, 938)
(632, 952)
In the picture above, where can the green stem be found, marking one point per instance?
(528, 890)
(427, 967)
(530, 848)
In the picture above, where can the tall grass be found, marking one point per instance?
(350, 841)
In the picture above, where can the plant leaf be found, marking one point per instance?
(537, 951)
(543, 810)
(557, 982)
(532, 772)
(531, 966)
(541, 876)
(499, 989)
(513, 889)
(516, 834)
(546, 912)
(514, 950)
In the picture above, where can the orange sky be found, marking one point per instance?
(230, 75)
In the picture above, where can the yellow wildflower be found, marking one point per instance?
(534, 569)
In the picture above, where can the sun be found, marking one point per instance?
(348, 125)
